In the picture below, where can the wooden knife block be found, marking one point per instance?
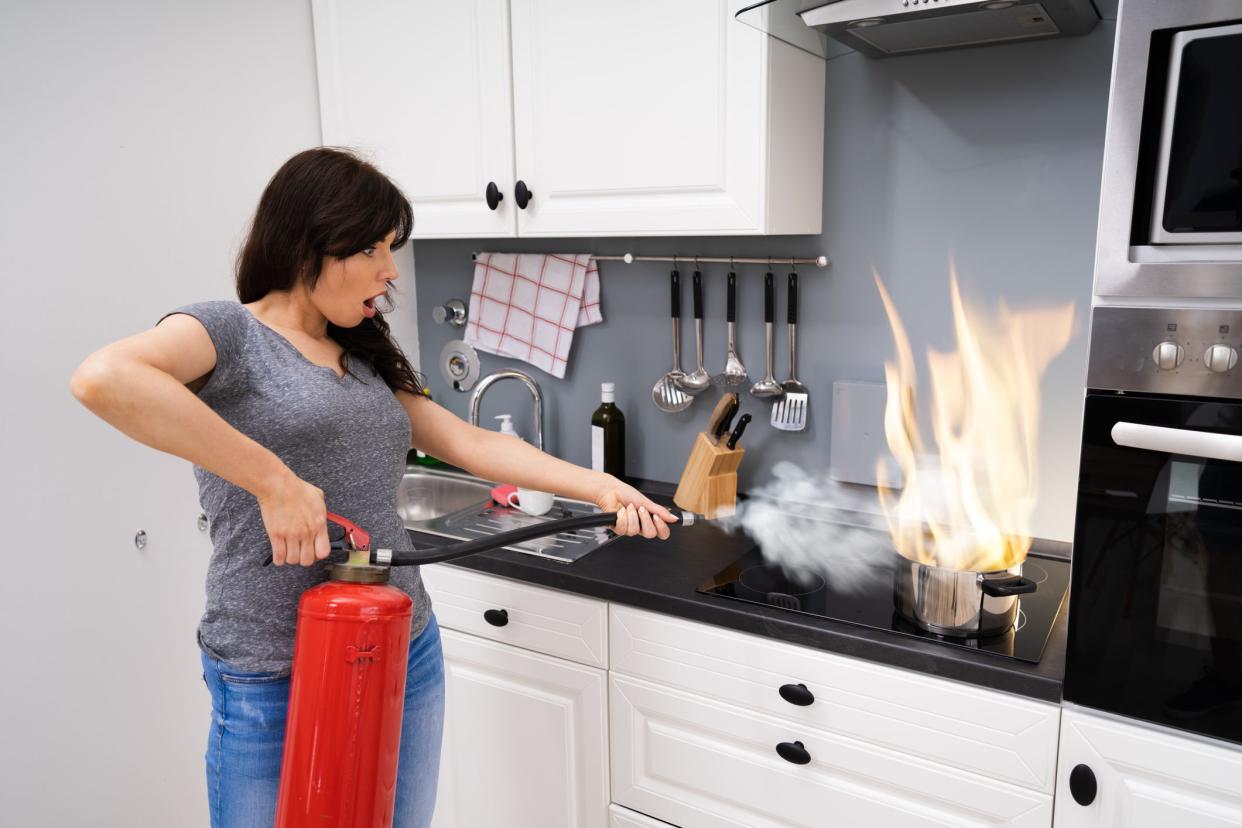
(709, 481)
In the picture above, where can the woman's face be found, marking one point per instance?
(347, 288)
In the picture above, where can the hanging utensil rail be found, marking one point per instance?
(630, 258)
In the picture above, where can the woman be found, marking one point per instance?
(289, 403)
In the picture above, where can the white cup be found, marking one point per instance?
(531, 502)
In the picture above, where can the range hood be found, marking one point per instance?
(887, 28)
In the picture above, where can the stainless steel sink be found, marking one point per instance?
(458, 506)
(425, 495)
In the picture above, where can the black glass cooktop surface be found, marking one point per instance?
(872, 604)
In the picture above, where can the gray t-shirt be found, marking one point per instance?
(348, 436)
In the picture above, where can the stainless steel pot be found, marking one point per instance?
(959, 602)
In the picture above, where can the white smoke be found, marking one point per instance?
(810, 524)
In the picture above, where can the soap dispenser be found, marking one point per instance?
(506, 425)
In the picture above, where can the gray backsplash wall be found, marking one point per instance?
(990, 155)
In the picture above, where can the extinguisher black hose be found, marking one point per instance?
(525, 533)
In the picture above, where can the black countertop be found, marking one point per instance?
(662, 576)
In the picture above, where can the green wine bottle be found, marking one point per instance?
(608, 434)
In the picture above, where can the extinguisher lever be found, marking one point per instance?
(356, 538)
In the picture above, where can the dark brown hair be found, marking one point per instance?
(328, 202)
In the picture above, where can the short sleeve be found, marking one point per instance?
(226, 324)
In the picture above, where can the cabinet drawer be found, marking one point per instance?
(700, 764)
(981, 731)
(539, 619)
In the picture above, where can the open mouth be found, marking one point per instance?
(368, 305)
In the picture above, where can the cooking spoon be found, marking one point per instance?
(768, 386)
(665, 393)
(734, 373)
(698, 379)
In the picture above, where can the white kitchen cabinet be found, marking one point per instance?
(423, 86)
(619, 817)
(622, 119)
(526, 733)
(701, 764)
(998, 735)
(1144, 778)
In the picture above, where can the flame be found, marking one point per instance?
(970, 507)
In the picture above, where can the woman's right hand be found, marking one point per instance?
(295, 515)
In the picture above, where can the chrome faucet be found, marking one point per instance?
(487, 382)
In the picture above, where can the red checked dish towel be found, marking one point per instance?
(528, 305)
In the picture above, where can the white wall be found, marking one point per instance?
(135, 138)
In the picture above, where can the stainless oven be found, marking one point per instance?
(1155, 625)
(1170, 221)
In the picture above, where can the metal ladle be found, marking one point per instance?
(698, 379)
(768, 387)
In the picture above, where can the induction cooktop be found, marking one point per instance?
(872, 605)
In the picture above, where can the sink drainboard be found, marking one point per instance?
(483, 521)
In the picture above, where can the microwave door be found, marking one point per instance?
(1198, 197)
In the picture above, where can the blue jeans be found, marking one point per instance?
(247, 739)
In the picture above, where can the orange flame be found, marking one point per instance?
(971, 507)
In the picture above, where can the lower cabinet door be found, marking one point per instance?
(625, 818)
(1118, 774)
(525, 739)
(698, 763)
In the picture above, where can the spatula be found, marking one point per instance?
(790, 412)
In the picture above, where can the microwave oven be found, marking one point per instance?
(1170, 221)
(1198, 197)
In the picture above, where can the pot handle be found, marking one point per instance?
(1005, 587)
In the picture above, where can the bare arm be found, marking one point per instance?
(495, 456)
(139, 385)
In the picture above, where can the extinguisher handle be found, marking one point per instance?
(354, 534)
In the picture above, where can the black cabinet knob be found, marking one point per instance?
(494, 195)
(793, 752)
(522, 194)
(797, 694)
(1083, 786)
(496, 617)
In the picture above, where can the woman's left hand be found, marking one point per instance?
(636, 514)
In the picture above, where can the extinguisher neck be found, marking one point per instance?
(359, 573)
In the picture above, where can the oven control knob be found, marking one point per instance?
(1220, 358)
(1168, 355)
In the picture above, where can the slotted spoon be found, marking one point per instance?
(734, 373)
(665, 393)
(789, 413)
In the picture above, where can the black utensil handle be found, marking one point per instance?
(731, 307)
(737, 432)
(793, 298)
(496, 617)
(797, 694)
(698, 295)
(675, 282)
(769, 297)
(1082, 785)
(1004, 587)
(793, 752)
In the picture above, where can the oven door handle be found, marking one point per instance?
(1179, 441)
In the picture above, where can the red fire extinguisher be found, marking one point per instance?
(343, 731)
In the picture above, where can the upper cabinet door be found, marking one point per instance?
(424, 87)
(655, 118)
